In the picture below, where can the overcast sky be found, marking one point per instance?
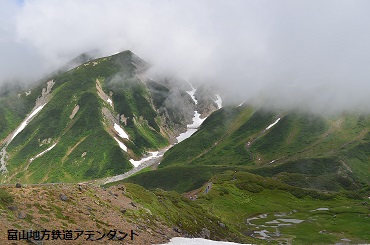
(287, 53)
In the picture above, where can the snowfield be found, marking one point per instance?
(110, 102)
(120, 131)
(273, 124)
(186, 135)
(197, 121)
(218, 101)
(192, 94)
(123, 147)
(42, 153)
(25, 122)
(136, 164)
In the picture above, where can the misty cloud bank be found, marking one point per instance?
(312, 54)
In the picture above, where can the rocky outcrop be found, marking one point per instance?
(75, 110)
(206, 234)
(22, 215)
(63, 197)
(45, 94)
(206, 101)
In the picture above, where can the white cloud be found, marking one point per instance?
(312, 53)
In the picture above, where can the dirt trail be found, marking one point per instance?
(70, 150)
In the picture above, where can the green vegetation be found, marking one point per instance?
(303, 163)
(181, 213)
(236, 196)
(303, 150)
(235, 204)
(5, 198)
(180, 179)
(213, 131)
(290, 170)
(85, 148)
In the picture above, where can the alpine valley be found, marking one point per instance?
(100, 145)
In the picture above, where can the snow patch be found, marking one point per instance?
(192, 95)
(218, 101)
(123, 147)
(241, 104)
(192, 128)
(137, 163)
(197, 121)
(25, 122)
(273, 124)
(42, 153)
(196, 241)
(185, 135)
(120, 131)
(110, 102)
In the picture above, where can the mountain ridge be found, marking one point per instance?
(103, 95)
(246, 174)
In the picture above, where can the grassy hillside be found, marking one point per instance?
(14, 105)
(248, 203)
(85, 147)
(301, 149)
(237, 197)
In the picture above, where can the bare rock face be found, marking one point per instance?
(123, 119)
(108, 115)
(45, 94)
(75, 110)
(173, 104)
(206, 101)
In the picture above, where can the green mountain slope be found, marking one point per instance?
(298, 146)
(82, 114)
(244, 171)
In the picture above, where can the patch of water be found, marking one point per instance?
(320, 209)
(263, 234)
(262, 229)
(280, 214)
(295, 221)
(272, 222)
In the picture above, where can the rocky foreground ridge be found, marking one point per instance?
(89, 214)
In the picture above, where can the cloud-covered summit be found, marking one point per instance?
(313, 54)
